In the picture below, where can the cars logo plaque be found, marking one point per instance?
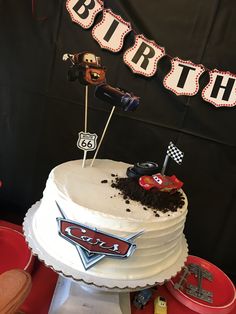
(93, 244)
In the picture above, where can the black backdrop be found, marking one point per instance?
(41, 112)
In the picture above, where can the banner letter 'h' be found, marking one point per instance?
(227, 88)
(221, 90)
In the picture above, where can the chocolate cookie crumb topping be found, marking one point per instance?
(155, 199)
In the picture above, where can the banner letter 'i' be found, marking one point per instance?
(111, 31)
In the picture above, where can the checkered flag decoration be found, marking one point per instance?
(175, 153)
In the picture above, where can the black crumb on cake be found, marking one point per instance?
(104, 181)
(164, 201)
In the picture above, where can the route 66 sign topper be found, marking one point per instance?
(87, 141)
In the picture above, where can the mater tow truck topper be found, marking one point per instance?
(86, 67)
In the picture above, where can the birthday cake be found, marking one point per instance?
(96, 198)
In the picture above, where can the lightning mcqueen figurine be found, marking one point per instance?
(160, 182)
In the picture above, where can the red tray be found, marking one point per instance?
(224, 294)
(14, 251)
(43, 278)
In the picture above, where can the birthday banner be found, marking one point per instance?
(142, 58)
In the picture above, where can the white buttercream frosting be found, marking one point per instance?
(84, 199)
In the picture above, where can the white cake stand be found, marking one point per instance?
(77, 291)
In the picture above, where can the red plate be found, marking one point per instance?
(224, 295)
(14, 251)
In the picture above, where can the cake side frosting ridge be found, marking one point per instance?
(85, 199)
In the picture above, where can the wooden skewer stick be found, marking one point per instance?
(165, 164)
(85, 120)
(103, 134)
(84, 158)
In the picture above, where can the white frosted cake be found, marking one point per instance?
(88, 196)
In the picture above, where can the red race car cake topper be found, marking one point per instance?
(160, 182)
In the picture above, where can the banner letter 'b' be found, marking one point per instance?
(84, 9)
(83, 12)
